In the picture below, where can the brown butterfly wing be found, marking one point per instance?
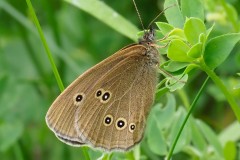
(61, 115)
(130, 85)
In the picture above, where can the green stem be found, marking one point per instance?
(186, 118)
(222, 87)
(54, 68)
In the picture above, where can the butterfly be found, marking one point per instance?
(107, 106)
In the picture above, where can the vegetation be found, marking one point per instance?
(196, 113)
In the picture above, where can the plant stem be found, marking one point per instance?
(54, 68)
(222, 87)
(186, 118)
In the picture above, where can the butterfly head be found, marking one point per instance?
(148, 41)
(148, 37)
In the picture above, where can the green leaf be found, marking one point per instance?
(165, 28)
(192, 152)
(192, 8)
(177, 51)
(185, 136)
(107, 15)
(174, 66)
(195, 51)
(177, 33)
(161, 92)
(230, 130)
(202, 38)
(219, 48)
(155, 140)
(193, 28)
(230, 150)
(166, 113)
(232, 16)
(176, 82)
(209, 30)
(198, 140)
(211, 137)
(173, 14)
(92, 154)
(189, 68)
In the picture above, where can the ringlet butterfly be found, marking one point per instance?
(107, 106)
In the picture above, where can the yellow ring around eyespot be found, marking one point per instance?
(121, 119)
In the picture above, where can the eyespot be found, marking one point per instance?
(105, 96)
(132, 127)
(99, 93)
(78, 98)
(121, 123)
(108, 119)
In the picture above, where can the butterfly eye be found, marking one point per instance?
(121, 123)
(78, 98)
(108, 120)
(132, 127)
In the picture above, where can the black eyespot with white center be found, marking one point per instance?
(99, 93)
(132, 127)
(79, 98)
(105, 96)
(102, 95)
(108, 119)
(121, 123)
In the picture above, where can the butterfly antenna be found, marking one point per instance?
(139, 16)
(160, 14)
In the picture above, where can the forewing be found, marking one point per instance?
(61, 115)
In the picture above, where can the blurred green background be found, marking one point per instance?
(78, 41)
